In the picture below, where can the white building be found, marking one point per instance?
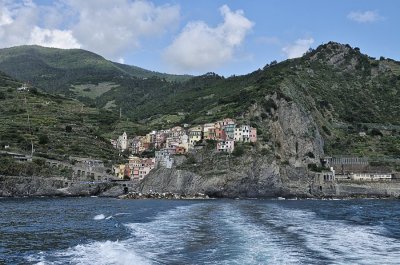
(122, 142)
(242, 133)
(226, 146)
(163, 158)
(370, 176)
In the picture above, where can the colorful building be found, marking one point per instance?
(195, 135)
(226, 146)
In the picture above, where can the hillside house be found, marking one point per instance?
(122, 142)
(245, 134)
(140, 167)
(164, 158)
(207, 129)
(226, 146)
(253, 135)
(228, 125)
(195, 135)
(122, 170)
(23, 88)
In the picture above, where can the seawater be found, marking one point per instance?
(111, 231)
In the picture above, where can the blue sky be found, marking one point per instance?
(177, 36)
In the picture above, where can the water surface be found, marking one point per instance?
(111, 231)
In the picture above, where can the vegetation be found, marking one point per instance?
(56, 126)
(345, 91)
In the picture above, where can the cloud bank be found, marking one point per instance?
(364, 17)
(110, 28)
(298, 48)
(201, 47)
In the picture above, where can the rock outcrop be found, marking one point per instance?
(14, 186)
(275, 166)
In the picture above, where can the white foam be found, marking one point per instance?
(341, 242)
(99, 217)
(104, 253)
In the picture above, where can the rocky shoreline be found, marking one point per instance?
(163, 196)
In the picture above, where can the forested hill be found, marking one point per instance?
(346, 92)
(55, 70)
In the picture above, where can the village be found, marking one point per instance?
(177, 141)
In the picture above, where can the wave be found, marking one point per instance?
(99, 217)
(237, 232)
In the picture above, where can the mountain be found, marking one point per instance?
(72, 72)
(345, 93)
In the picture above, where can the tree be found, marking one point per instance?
(68, 128)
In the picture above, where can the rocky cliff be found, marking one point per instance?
(13, 186)
(274, 166)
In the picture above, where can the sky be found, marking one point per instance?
(230, 37)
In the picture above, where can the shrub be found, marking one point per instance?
(238, 151)
(375, 132)
(326, 130)
(68, 128)
(43, 139)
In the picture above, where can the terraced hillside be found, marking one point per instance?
(57, 127)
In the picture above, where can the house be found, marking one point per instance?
(122, 142)
(325, 176)
(140, 167)
(226, 146)
(160, 139)
(228, 125)
(220, 134)
(245, 134)
(253, 135)
(207, 129)
(23, 88)
(195, 135)
(138, 145)
(164, 158)
(120, 170)
(238, 134)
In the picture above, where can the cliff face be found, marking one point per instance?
(12, 186)
(274, 166)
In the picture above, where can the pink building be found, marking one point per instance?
(253, 135)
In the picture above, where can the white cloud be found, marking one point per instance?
(18, 26)
(298, 48)
(201, 47)
(121, 60)
(364, 17)
(112, 28)
(53, 38)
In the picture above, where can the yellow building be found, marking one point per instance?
(195, 135)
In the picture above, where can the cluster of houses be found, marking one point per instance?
(175, 141)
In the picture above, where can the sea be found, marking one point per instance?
(112, 231)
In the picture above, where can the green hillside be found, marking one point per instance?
(55, 70)
(56, 126)
(346, 92)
